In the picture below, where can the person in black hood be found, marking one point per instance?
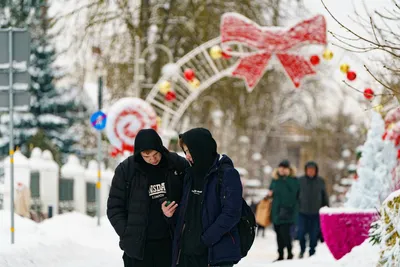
(312, 197)
(207, 233)
(142, 185)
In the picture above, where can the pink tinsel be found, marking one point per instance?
(343, 231)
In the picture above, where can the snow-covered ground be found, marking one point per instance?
(74, 240)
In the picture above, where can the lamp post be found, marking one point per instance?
(140, 61)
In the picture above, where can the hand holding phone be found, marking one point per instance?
(169, 208)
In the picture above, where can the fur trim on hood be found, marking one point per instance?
(292, 174)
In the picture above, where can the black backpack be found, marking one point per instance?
(247, 225)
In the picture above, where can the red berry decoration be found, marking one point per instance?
(351, 75)
(314, 60)
(170, 96)
(189, 74)
(369, 93)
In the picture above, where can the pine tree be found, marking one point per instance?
(54, 111)
(378, 159)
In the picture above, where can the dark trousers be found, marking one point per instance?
(197, 261)
(157, 253)
(283, 238)
(308, 224)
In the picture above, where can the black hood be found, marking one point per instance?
(148, 139)
(202, 148)
(311, 164)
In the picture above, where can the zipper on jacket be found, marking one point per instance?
(180, 249)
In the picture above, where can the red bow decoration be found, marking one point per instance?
(237, 29)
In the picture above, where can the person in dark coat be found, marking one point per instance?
(312, 197)
(284, 189)
(206, 232)
(141, 183)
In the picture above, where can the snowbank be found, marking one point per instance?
(73, 239)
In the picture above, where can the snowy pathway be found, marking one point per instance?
(73, 240)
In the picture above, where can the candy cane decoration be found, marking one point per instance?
(125, 119)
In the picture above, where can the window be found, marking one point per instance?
(35, 185)
(66, 195)
(91, 199)
(66, 190)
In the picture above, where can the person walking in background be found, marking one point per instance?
(284, 189)
(141, 185)
(312, 197)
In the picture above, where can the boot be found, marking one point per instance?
(280, 258)
(290, 256)
(301, 255)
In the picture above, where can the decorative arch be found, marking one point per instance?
(243, 50)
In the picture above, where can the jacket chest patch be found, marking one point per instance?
(157, 190)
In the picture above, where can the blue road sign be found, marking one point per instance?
(98, 120)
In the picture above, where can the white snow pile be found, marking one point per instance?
(75, 240)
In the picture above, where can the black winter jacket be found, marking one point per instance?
(128, 202)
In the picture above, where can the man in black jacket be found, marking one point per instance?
(141, 184)
(312, 197)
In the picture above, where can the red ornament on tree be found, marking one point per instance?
(314, 60)
(189, 74)
(398, 154)
(351, 75)
(170, 96)
(369, 93)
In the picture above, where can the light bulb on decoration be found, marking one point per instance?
(344, 68)
(216, 52)
(378, 108)
(340, 165)
(327, 55)
(346, 153)
(189, 74)
(227, 54)
(353, 129)
(369, 93)
(165, 87)
(170, 96)
(170, 69)
(195, 83)
(351, 75)
(314, 60)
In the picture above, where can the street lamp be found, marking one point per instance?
(140, 61)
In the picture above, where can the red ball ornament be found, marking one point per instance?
(170, 96)
(189, 74)
(314, 60)
(368, 93)
(351, 75)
